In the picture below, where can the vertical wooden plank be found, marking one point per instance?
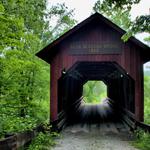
(138, 88)
(53, 93)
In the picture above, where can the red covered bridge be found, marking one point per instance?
(93, 50)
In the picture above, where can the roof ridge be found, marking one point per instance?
(83, 23)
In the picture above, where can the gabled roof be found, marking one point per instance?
(49, 51)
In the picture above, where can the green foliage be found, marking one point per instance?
(11, 124)
(147, 99)
(141, 24)
(26, 27)
(62, 20)
(94, 91)
(142, 140)
(122, 3)
(32, 12)
(147, 40)
(118, 11)
(43, 141)
(119, 16)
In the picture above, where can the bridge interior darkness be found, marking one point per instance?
(120, 93)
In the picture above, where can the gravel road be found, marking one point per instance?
(94, 138)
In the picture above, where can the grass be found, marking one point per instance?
(142, 140)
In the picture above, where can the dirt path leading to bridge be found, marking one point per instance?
(94, 138)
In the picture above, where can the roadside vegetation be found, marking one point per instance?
(44, 141)
(147, 99)
(142, 140)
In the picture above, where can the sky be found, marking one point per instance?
(83, 9)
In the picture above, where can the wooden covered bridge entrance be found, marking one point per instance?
(93, 50)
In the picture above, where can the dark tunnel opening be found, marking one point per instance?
(120, 93)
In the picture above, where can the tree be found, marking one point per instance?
(120, 17)
(146, 99)
(26, 27)
(59, 20)
(140, 24)
(94, 91)
(121, 3)
(18, 45)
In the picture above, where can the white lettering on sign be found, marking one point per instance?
(94, 47)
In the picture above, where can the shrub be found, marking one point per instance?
(142, 140)
(43, 141)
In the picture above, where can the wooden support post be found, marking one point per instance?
(53, 95)
(139, 96)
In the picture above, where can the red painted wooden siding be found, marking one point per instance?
(128, 58)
